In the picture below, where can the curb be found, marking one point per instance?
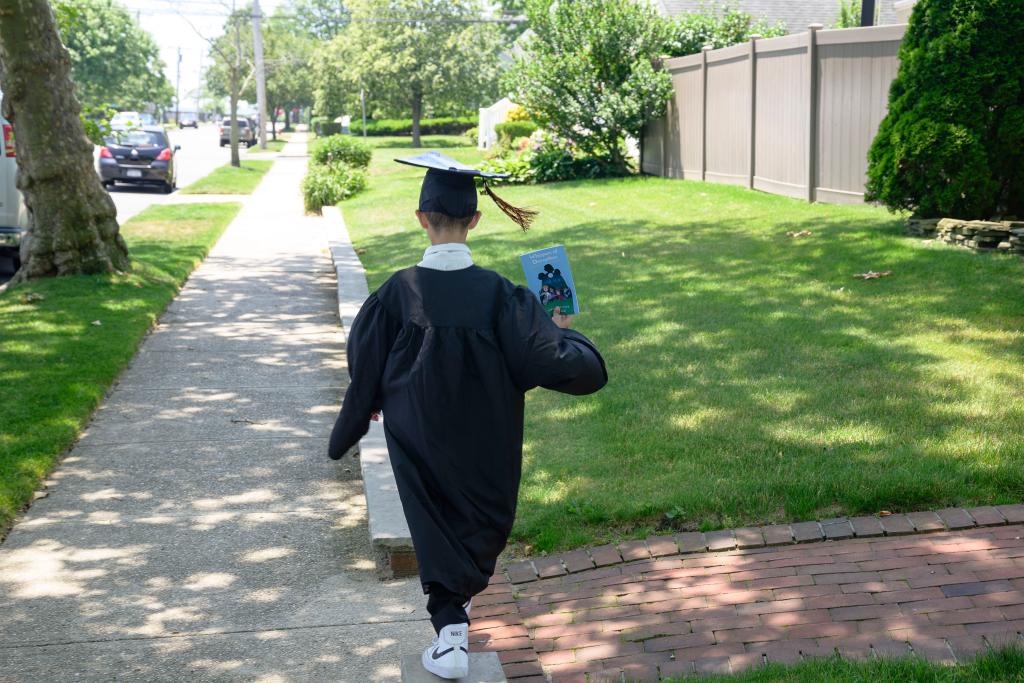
(389, 532)
(753, 538)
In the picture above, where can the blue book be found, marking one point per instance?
(548, 276)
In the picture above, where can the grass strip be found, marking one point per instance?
(753, 378)
(1005, 665)
(57, 362)
(272, 146)
(230, 179)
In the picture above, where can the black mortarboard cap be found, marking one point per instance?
(449, 188)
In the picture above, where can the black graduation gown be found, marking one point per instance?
(447, 356)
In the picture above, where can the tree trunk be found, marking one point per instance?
(233, 106)
(273, 123)
(417, 111)
(73, 220)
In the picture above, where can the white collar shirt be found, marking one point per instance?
(449, 256)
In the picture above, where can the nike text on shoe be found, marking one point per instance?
(448, 656)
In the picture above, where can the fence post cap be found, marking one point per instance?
(707, 48)
(756, 36)
(815, 27)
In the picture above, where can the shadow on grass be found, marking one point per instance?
(65, 340)
(753, 379)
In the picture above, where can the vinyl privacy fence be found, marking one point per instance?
(793, 115)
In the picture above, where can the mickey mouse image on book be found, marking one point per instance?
(554, 292)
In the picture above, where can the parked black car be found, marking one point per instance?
(142, 156)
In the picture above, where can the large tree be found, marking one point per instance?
(74, 222)
(320, 19)
(411, 55)
(589, 71)
(952, 143)
(113, 61)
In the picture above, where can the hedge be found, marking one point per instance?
(326, 128)
(452, 125)
(513, 130)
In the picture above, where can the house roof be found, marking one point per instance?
(795, 14)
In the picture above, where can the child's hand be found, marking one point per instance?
(563, 321)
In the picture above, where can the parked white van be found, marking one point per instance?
(13, 215)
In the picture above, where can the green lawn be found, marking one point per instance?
(57, 363)
(230, 180)
(1004, 665)
(753, 378)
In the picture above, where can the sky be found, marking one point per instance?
(171, 22)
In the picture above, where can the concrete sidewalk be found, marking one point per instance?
(198, 531)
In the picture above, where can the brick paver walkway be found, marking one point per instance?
(944, 596)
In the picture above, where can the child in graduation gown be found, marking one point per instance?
(446, 351)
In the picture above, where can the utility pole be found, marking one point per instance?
(261, 83)
(199, 86)
(177, 93)
(362, 103)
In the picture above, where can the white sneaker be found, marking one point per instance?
(468, 606)
(448, 655)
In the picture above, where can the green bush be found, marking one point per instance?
(326, 185)
(472, 136)
(689, 33)
(453, 125)
(952, 143)
(513, 130)
(517, 168)
(551, 158)
(327, 128)
(341, 148)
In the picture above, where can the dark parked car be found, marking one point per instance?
(245, 132)
(142, 156)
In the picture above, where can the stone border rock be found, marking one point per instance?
(389, 532)
(1007, 236)
(745, 538)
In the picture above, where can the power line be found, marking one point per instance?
(162, 11)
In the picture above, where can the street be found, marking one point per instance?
(199, 155)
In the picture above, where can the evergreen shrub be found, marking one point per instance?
(952, 143)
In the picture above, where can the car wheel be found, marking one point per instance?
(168, 188)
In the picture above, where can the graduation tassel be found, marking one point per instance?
(522, 217)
